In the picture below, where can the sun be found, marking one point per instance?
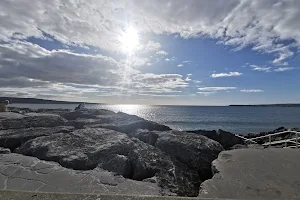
(130, 40)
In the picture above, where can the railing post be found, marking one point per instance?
(270, 140)
(297, 140)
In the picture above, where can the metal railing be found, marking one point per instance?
(294, 140)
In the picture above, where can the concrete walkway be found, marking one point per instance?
(255, 174)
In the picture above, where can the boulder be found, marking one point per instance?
(82, 149)
(86, 114)
(34, 120)
(4, 150)
(10, 115)
(194, 150)
(149, 137)
(150, 163)
(13, 138)
(119, 164)
(120, 122)
(226, 139)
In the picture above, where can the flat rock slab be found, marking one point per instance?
(17, 195)
(22, 173)
(255, 174)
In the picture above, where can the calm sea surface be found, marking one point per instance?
(233, 119)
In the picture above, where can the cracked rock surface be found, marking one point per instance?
(23, 173)
(271, 173)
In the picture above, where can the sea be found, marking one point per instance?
(240, 120)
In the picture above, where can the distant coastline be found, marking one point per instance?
(272, 105)
(39, 101)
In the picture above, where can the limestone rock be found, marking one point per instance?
(86, 114)
(23, 173)
(13, 138)
(119, 164)
(35, 120)
(226, 139)
(82, 149)
(4, 150)
(194, 150)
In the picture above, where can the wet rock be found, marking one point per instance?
(4, 150)
(33, 120)
(13, 138)
(226, 139)
(194, 150)
(82, 149)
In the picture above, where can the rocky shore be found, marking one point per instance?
(100, 151)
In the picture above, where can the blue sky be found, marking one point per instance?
(196, 52)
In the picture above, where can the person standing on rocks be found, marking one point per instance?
(3, 105)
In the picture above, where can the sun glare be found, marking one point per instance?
(130, 39)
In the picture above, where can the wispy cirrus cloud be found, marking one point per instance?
(226, 74)
(251, 90)
(216, 88)
(283, 69)
(261, 69)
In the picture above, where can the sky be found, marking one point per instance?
(159, 52)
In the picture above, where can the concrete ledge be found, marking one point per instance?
(17, 195)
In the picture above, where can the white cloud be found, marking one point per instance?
(216, 88)
(188, 77)
(252, 90)
(40, 71)
(261, 69)
(180, 65)
(23, 59)
(206, 93)
(264, 25)
(150, 46)
(158, 83)
(226, 74)
(162, 53)
(167, 59)
(282, 69)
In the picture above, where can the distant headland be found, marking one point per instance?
(39, 101)
(273, 105)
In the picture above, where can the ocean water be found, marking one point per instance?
(234, 119)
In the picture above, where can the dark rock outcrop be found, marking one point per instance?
(120, 122)
(82, 149)
(119, 164)
(34, 120)
(86, 114)
(124, 144)
(13, 138)
(149, 137)
(226, 139)
(196, 151)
